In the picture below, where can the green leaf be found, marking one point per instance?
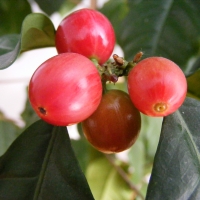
(105, 182)
(116, 11)
(160, 28)
(49, 6)
(137, 161)
(89, 153)
(12, 14)
(81, 149)
(9, 50)
(37, 32)
(67, 6)
(40, 164)
(194, 85)
(28, 115)
(176, 167)
(61, 6)
(150, 131)
(8, 43)
(8, 133)
(142, 153)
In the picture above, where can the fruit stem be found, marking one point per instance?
(104, 86)
(93, 4)
(112, 70)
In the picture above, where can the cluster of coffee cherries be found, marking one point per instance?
(70, 87)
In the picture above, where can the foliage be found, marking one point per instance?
(8, 132)
(37, 31)
(179, 141)
(13, 13)
(168, 28)
(41, 163)
(34, 166)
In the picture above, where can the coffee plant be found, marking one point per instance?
(137, 114)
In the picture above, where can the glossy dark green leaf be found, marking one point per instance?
(193, 82)
(37, 32)
(116, 11)
(193, 66)
(9, 49)
(165, 28)
(12, 14)
(84, 151)
(49, 6)
(40, 164)
(176, 167)
(8, 43)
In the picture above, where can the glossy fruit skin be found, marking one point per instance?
(157, 86)
(65, 89)
(115, 125)
(87, 32)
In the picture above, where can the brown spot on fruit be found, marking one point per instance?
(42, 110)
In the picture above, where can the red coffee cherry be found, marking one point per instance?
(157, 86)
(87, 32)
(65, 89)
